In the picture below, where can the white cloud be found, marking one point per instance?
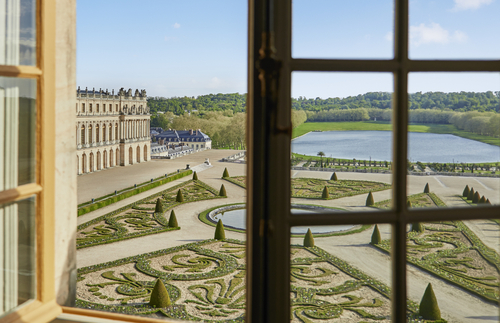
(470, 4)
(214, 83)
(177, 25)
(434, 33)
(389, 36)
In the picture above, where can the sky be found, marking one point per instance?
(196, 47)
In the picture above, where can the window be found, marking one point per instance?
(97, 107)
(90, 107)
(83, 107)
(104, 108)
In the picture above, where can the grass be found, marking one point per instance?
(386, 126)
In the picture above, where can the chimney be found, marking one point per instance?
(191, 131)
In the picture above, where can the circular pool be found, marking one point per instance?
(234, 216)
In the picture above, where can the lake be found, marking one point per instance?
(424, 147)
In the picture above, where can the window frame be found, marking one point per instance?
(269, 147)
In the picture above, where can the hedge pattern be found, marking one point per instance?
(106, 200)
(210, 276)
(139, 219)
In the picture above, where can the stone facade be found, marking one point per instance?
(111, 130)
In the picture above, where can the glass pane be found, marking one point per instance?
(18, 127)
(18, 32)
(341, 276)
(454, 144)
(457, 263)
(341, 151)
(17, 254)
(459, 29)
(342, 29)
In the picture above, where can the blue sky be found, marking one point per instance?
(195, 47)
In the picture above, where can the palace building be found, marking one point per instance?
(111, 129)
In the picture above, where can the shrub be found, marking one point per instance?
(408, 204)
(488, 201)
(309, 239)
(417, 227)
(219, 231)
(325, 195)
(179, 197)
(426, 189)
(429, 308)
(195, 176)
(159, 295)
(466, 191)
(482, 200)
(476, 198)
(172, 221)
(369, 200)
(226, 173)
(222, 191)
(159, 206)
(376, 238)
(471, 194)
(334, 177)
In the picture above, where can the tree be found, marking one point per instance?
(159, 206)
(426, 188)
(226, 173)
(159, 295)
(222, 191)
(220, 234)
(334, 177)
(376, 238)
(476, 198)
(179, 197)
(195, 176)
(417, 227)
(309, 239)
(466, 191)
(471, 194)
(325, 195)
(172, 221)
(369, 200)
(321, 154)
(429, 308)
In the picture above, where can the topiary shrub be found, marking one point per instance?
(417, 227)
(195, 176)
(309, 239)
(369, 200)
(408, 204)
(334, 177)
(429, 308)
(426, 188)
(488, 201)
(222, 191)
(172, 221)
(471, 194)
(159, 206)
(179, 197)
(476, 198)
(482, 200)
(325, 195)
(466, 191)
(159, 295)
(376, 238)
(220, 234)
(226, 173)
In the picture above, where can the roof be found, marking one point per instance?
(183, 135)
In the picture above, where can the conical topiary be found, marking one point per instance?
(226, 173)
(429, 308)
(417, 227)
(195, 176)
(159, 206)
(488, 201)
(476, 198)
(159, 295)
(222, 191)
(309, 239)
(220, 234)
(369, 200)
(179, 197)
(325, 195)
(471, 194)
(334, 177)
(172, 221)
(376, 238)
(426, 188)
(482, 200)
(408, 204)
(466, 191)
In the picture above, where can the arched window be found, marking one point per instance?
(116, 133)
(97, 132)
(82, 135)
(138, 154)
(104, 132)
(110, 132)
(90, 134)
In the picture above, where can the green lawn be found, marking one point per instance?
(381, 126)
